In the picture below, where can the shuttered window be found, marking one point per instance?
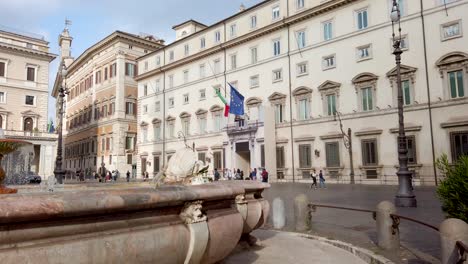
(369, 152)
(279, 157)
(262, 156)
(305, 159)
(31, 74)
(332, 152)
(156, 164)
(217, 160)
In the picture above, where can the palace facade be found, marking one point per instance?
(297, 62)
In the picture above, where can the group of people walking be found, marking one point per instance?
(239, 175)
(314, 180)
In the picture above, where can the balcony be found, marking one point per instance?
(246, 127)
(30, 135)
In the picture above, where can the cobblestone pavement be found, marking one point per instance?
(357, 227)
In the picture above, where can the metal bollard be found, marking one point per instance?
(452, 230)
(302, 213)
(279, 214)
(388, 235)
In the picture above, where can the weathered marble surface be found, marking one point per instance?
(171, 224)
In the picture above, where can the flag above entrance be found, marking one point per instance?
(237, 102)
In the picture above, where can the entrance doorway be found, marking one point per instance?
(28, 124)
(242, 157)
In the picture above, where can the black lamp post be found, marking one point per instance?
(348, 143)
(405, 196)
(59, 172)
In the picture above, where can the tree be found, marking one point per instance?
(453, 189)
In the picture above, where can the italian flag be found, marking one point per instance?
(226, 106)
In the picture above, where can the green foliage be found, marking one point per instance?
(453, 189)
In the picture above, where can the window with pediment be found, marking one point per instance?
(366, 85)
(278, 101)
(453, 68)
(330, 93)
(408, 75)
(254, 108)
(185, 121)
(303, 97)
(156, 129)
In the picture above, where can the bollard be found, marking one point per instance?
(388, 237)
(279, 215)
(452, 230)
(302, 213)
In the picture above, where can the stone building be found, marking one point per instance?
(297, 62)
(24, 86)
(100, 109)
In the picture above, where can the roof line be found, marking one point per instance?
(188, 21)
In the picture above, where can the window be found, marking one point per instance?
(275, 12)
(130, 70)
(299, 4)
(262, 156)
(303, 109)
(202, 94)
(145, 90)
(331, 104)
(369, 152)
(278, 113)
(305, 156)
(171, 102)
(405, 86)
(202, 71)
(233, 61)
(144, 134)
(253, 55)
(301, 40)
(129, 159)
(362, 22)
(367, 99)
(332, 153)
(233, 30)
(201, 156)
(276, 47)
(363, 52)
(171, 55)
(157, 132)
(130, 108)
(113, 70)
(156, 164)
(280, 157)
(158, 60)
(186, 49)
(217, 66)
(146, 68)
(171, 81)
(217, 37)
(217, 161)
(157, 106)
(217, 122)
(455, 79)
(103, 144)
(254, 81)
(411, 146)
(2, 98)
(253, 22)
(31, 74)
(459, 144)
(2, 69)
(170, 131)
(105, 70)
(29, 100)
(202, 125)
(302, 69)
(328, 62)
(327, 30)
(202, 43)
(451, 30)
(277, 75)
(157, 86)
(186, 73)
(145, 109)
(98, 77)
(186, 98)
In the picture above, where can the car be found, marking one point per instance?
(32, 178)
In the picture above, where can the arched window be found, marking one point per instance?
(28, 124)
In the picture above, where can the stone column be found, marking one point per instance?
(388, 236)
(279, 213)
(302, 213)
(452, 230)
(270, 142)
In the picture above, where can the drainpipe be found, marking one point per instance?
(428, 92)
(290, 99)
(164, 112)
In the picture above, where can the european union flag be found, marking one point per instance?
(237, 102)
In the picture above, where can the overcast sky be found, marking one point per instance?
(92, 20)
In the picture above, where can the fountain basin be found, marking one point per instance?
(171, 224)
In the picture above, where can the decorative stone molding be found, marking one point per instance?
(368, 132)
(407, 129)
(202, 148)
(277, 98)
(302, 93)
(192, 213)
(260, 140)
(216, 108)
(217, 147)
(458, 123)
(201, 113)
(170, 119)
(185, 115)
(282, 140)
(304, 138)
(331, 136)
(365, 79)
(253, 102)
(156, 153)
(156, 121)
(451, 61)
(329, 87)
(143, 124)
(407, 72)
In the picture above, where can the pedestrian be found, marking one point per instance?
(216, 174)
(128, 176)
(314, 179)
(237, 174)
(322, 180)
(254, 174)
(228, 174)
(146, 175)
(264, 175)
(241, 173)
(114, 175)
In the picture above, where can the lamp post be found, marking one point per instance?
(348, 143)
(405, 196)
(59, 172)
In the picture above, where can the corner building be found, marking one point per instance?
(297, 62)
(100, 108)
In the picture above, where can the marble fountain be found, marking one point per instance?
(176, 219)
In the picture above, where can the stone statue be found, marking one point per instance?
(184, 168)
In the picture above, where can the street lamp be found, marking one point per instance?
(405, 196)
(59, 172)
(348, 143)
